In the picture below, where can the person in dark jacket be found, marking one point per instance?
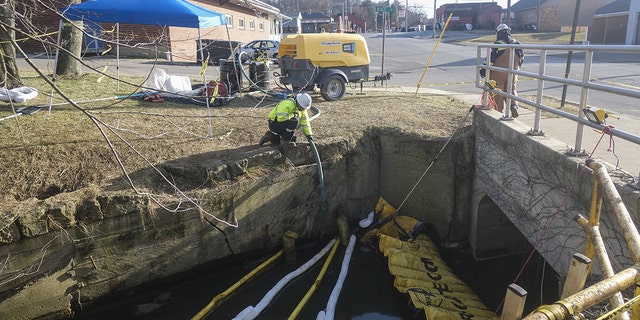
(500, 58)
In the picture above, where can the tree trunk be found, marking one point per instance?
(9, 74)
(71, 40)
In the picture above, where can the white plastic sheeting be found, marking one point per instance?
(161, 81)
(18, 95)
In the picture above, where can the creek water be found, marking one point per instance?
(368, 291)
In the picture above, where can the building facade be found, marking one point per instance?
(484, 15)
(542, 13)
(247, 20)
(616, 23)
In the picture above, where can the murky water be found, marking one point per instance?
(368, 291)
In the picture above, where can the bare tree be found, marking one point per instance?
(9, 75)
(71, 41)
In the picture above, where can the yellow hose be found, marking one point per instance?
(212, 305)
(313, 287)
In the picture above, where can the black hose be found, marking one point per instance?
(323, 194)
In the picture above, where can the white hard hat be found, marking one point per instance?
(502, 26)
(304, 100)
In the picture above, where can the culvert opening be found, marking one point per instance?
(384, 164)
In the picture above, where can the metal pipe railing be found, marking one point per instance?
(585, 84)
(588, 297)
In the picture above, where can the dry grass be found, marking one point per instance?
(92, 144)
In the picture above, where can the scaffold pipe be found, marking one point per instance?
(627, 227)
(588, 297)
(602, 257)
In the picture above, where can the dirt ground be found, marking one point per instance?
(69, 148)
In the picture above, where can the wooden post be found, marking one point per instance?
(577, 275)
(514, 302)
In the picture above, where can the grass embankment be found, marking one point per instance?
(105, 135)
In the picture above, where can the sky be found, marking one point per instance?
(427, 5)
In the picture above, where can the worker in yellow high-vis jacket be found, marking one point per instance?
(286, 117)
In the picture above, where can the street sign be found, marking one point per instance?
(384, 9)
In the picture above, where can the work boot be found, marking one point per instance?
(514, 110)
(266, 138)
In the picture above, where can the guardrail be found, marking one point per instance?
(586, 83)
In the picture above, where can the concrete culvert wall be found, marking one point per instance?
(99, 241)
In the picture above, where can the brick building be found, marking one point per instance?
(616, 23)
(246, 20)
(355, 24)
(483, 15)
(542, 13)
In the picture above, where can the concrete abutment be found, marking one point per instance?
(74, 248)
(493, 186)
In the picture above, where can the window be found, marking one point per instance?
(240, 23)
(230, 21)
(261, 25)
(252, 25)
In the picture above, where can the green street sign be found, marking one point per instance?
(384, 9)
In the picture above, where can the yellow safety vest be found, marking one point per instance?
(286, 110)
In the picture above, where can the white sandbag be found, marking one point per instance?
(178, 84)
(18, 95)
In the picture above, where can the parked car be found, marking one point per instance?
(256, 47)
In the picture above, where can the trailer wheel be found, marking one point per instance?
(334, 88)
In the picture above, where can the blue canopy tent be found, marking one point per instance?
(177, 13)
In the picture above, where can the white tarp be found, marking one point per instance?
(18, 95)
(161, 81)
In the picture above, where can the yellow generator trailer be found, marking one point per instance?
(325, 60)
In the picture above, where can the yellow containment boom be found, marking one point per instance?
(422, 274)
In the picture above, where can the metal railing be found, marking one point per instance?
(586, 83)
